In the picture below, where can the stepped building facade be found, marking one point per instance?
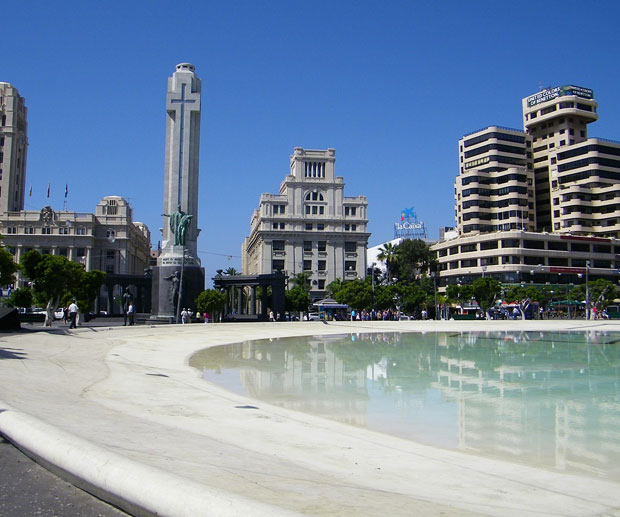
(310, 226)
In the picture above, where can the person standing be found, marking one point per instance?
(73, 311)
(131, 310)
(184, 315)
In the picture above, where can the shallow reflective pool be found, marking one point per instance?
(547, 398)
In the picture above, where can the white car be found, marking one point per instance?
(59, 313)
(313, 316)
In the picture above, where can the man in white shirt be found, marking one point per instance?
(73, 310)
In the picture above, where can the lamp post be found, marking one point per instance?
(434, 276)
(180, 287)
(587, 290)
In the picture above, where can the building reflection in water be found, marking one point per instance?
(552, 399)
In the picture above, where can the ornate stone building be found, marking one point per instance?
(108, 240)
(309, 226)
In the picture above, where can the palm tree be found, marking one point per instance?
(386, 254)
(231, 271)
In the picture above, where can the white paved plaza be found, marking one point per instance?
(119, 410)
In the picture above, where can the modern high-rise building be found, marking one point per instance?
(13, 148)
(540, 203)
(309, 226)
(494, 190)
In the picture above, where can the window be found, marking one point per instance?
(63, 252)
(350, 247)
(322, 264)
(350, 265)
(314, 196)
(110, 233)
(109, 268)
(279, 209)
(80, 252)
(29, 230)
(109, 254)
(277, 265)
(320, 227)
(308, 226)
(278, 245)
(63, 231)
(321, 284)
(307, 245)
(350, 211)
(80, 231)
(578, 246)
(11, 229)
(46, 230)
(274, 226)
(322, 245)
(281, 226)
(307, 265)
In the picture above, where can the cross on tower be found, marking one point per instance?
(183, 101)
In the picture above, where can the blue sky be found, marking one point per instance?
(390, 85)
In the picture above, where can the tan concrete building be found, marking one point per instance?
(544, 201)
(108, 240)
(309, 226)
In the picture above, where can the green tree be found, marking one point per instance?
(298, 296)
(85, 292)
(212, 302)
(21, 297)
(52, 277)
(602, 292)
(387, 254)
(485, 292)
(413, 259)
(356, 293)
(7, 267)
(231, 271)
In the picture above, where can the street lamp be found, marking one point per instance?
(587, 290)
(434, 276)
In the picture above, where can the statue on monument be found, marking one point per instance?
(174, 287)
(179, 222)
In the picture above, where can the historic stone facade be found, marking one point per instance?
(310, 226)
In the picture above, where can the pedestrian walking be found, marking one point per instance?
(73, 311)
(131, 311)
(184, 316)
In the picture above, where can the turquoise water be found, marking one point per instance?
(544, 398)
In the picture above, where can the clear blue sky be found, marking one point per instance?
(390, 85)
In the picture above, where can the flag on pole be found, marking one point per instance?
(30, 193)
(48, 190)
(66, 190)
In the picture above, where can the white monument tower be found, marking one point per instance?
(178, 277)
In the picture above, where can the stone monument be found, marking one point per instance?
(178, 277)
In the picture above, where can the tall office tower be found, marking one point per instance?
(494, 189)
(556, 119)
(310, 226)
(13, 149)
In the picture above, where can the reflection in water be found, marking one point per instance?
(547, 398)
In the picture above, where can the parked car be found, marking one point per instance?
(313, 316)
(59, 313)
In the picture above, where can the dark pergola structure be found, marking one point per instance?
(139, 287)
(241, 296)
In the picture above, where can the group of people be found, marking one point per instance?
(69, 314)
(188, 314)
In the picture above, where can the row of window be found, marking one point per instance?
(502, 203)
(577, 164)
(45, 230)
(496, 158)
(489, 216)
(528, 261)
(79, 252)
(321, 246)
(581, 247)
(592, 148)
(495, 192)
(496, 180)
(494, 134)
(495, 147)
